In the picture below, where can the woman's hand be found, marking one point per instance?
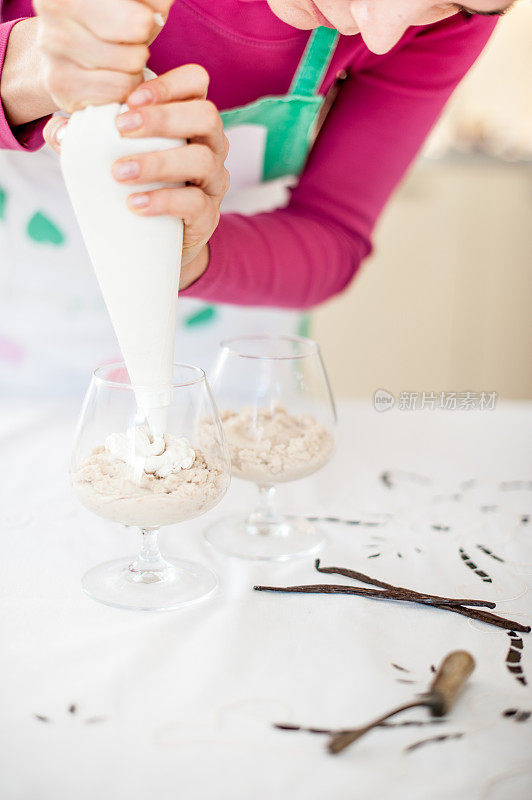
(175, 106)
(94, 52)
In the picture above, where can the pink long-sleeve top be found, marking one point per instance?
(300, 255)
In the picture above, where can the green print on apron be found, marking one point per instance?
(54, 328)
(269, 143)
(289, 120)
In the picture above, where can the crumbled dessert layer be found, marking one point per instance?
(108, 486)
(272, 446)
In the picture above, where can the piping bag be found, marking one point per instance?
(137, 259)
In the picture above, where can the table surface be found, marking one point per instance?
(99, 702)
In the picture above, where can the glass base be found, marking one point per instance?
(265, 541)
(118, 583)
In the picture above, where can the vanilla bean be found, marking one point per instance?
(359, 576)
(488, 618)
(324, 588)
(391, 592)
(388, 594)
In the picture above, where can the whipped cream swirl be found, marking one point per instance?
(159, 456)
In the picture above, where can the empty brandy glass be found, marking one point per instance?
(123, 473)
(279, 419)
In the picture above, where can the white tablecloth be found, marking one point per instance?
(181, 704)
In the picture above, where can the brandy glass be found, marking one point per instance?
(279, 419)
(172, 478)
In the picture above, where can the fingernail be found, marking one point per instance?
(60, 133)
(125, 170)
(139, 200)
(129, 121)
(140, 97)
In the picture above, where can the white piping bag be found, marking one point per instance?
(137, 259)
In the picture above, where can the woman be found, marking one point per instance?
(389, 72)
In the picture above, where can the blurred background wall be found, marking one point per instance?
(445, 301)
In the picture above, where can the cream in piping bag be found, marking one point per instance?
(137, 259)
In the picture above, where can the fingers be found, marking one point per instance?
(127, 21)
(199, 213)
(96, 50)
(161, 10)
(54, 131)
(75, 43)
(74, 89)
(194, 163)
(188, 203)
(175, 106)
(194, 119)
(188, 82)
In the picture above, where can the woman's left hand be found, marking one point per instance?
(174, 105)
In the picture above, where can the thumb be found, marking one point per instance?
(54, 131)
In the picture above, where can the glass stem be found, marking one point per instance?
(265, 519)
(149, 566)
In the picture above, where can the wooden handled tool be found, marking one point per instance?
(454, 670)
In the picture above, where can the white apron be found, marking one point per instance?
(54, 328)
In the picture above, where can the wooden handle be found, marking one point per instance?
(454, 670)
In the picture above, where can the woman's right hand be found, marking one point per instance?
(94, 52)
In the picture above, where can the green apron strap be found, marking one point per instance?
(315, 62)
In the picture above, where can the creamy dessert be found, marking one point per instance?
(149, 482)
(271, 446)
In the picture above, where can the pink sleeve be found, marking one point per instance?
(301, 255)
(25, 137)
